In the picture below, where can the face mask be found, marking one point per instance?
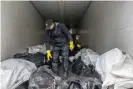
(53, 27)
(77, 37)
(70, 31)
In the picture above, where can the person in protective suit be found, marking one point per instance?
(76, 41)
(61, 41)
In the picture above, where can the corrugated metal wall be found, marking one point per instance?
(109, 25)
(20, 27)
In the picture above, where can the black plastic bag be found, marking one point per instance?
(38, 58)
(23, 85)
(75, 85)
(25, 56)
(81, 82)
(78, 67)
(41, 79)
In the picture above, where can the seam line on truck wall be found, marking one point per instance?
(37, 10)
(85, 10)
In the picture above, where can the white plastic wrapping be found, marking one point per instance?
(87, 56)
(15, 72)
(71, 58)
(38, 48)
(116, 69)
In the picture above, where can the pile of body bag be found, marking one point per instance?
(87, 56)
(116, 69)
(81, 82)
(15, 72)
(44, 78)
(37, 58)
(84, 64)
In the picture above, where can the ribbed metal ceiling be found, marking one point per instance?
(69, 12)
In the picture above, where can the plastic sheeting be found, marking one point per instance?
(71, 58)
(23, 85)
(79, 68)
(37, 58)
(43, 78)
(37, 48)
(116, 69)
(15, 72)
(87, 56)
(81, 82)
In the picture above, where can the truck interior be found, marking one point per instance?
(102, 25)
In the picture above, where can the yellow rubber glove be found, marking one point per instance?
(49, 56)
(71, 45)
(78, 45)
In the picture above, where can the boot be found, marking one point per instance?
(56, 73)
(55, 69)
(65, 77)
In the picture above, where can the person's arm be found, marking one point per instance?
(47, 40)
(66, 32)
(48, 43)
(69, 36)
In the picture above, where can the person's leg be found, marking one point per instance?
(64, 54)
(56, 51)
